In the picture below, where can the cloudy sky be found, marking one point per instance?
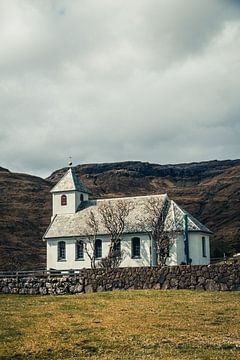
(107, 80)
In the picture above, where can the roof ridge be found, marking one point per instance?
(130, 197)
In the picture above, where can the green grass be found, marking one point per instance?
(121, 325)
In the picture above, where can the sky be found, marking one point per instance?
(107, 80)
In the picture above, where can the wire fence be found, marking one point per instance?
(38, 273)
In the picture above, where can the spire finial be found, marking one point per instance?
(70, 161)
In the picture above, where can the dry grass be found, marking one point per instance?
(121, 325)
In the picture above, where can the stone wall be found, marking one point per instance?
(212, 277)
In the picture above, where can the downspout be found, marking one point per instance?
(151, 251)
(186, 242)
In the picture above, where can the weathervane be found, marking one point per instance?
(70, 161)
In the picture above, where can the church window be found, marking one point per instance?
(135, 247)
(79, 250)
(117, 247)
(98, 248)
(61, 250)
(81, 197)
(64, 200)
(204, 254)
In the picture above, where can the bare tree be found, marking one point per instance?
(114, 219)
(160, 227)
(91, 232)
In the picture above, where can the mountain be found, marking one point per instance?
(209, 190)
(25, 210)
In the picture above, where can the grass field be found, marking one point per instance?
(121, 325)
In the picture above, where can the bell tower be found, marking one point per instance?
(68, 193)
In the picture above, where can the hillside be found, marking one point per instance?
(209, 190)
(24, 215)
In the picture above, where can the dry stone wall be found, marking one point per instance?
(212, 277)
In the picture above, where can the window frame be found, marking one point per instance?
(98, 248)
(136, 254)
(64, 200)
(77, 244)
(204, 249)
(60, 249)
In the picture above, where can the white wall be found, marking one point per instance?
(177, 254)
(145, 245)
(181, 257)
(73, 201)
(172, 260)
(72, 263)
(195, 249)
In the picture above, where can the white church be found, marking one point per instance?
(67, 235)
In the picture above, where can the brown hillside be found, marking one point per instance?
(209, 190)
(24, 214)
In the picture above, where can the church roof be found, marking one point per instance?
(67, 225)
(70, 181)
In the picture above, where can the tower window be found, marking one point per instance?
(61, 250)
(64, 200)
(135, 247)
(81, 197)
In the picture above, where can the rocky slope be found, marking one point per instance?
(209, 190)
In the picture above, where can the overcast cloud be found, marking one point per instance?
(107, 80)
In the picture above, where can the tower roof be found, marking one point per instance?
(70, 182)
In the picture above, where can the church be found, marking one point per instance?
(69, 237)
